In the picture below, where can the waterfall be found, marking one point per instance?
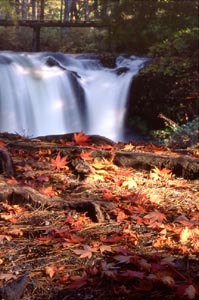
(55, 93)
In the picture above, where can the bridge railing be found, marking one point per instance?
(57, 10)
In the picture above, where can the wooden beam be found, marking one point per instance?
(40, 23)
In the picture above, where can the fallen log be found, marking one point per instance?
(180, 165)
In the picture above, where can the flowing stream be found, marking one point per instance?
(55, 93)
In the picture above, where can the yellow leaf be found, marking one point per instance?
(185, 235)
(129, 183)
(129, 147)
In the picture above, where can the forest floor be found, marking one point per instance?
(74, 225)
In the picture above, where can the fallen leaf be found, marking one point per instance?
(123, 259)
(59, 162)
(129, 147)
(157, 173)
(80, 138)
(7, 276)
(104, 248)
(112, 238)
(185, 234)
(78, 282)
(50, 270)
(85, 155)
(47, 191)
(86, 252)
(132, 274)
(144, 265)
(129, 183)
(155, 216)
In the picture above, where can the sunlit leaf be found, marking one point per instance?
(47, 191)
(85, 155)
(80, 138)
(157, 173)
(185, 234)
(51, 270)
(59, 162)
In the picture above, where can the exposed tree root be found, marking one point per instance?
(16, 194)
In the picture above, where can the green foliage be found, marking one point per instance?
(175, 55)
(186, 135)
(140, 24)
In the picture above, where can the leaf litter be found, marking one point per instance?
(147, 246)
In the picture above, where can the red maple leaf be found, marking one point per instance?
(85, 155)
(155, 217)
(80, 138)
(59, 162)
(112, 238)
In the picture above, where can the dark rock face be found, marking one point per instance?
(152, 94)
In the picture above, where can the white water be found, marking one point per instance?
(73, 93)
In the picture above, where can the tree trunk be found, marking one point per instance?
(34, 9)
(24, 9)
(42, 7)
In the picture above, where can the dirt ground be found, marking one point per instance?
(74, 225)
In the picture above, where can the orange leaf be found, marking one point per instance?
(59, 162)
(80, 138)
(2, 144)
(12, 180)
(47, 191)
(51, 270)
(85, 155)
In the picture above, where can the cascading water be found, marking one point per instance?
(55, 93)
